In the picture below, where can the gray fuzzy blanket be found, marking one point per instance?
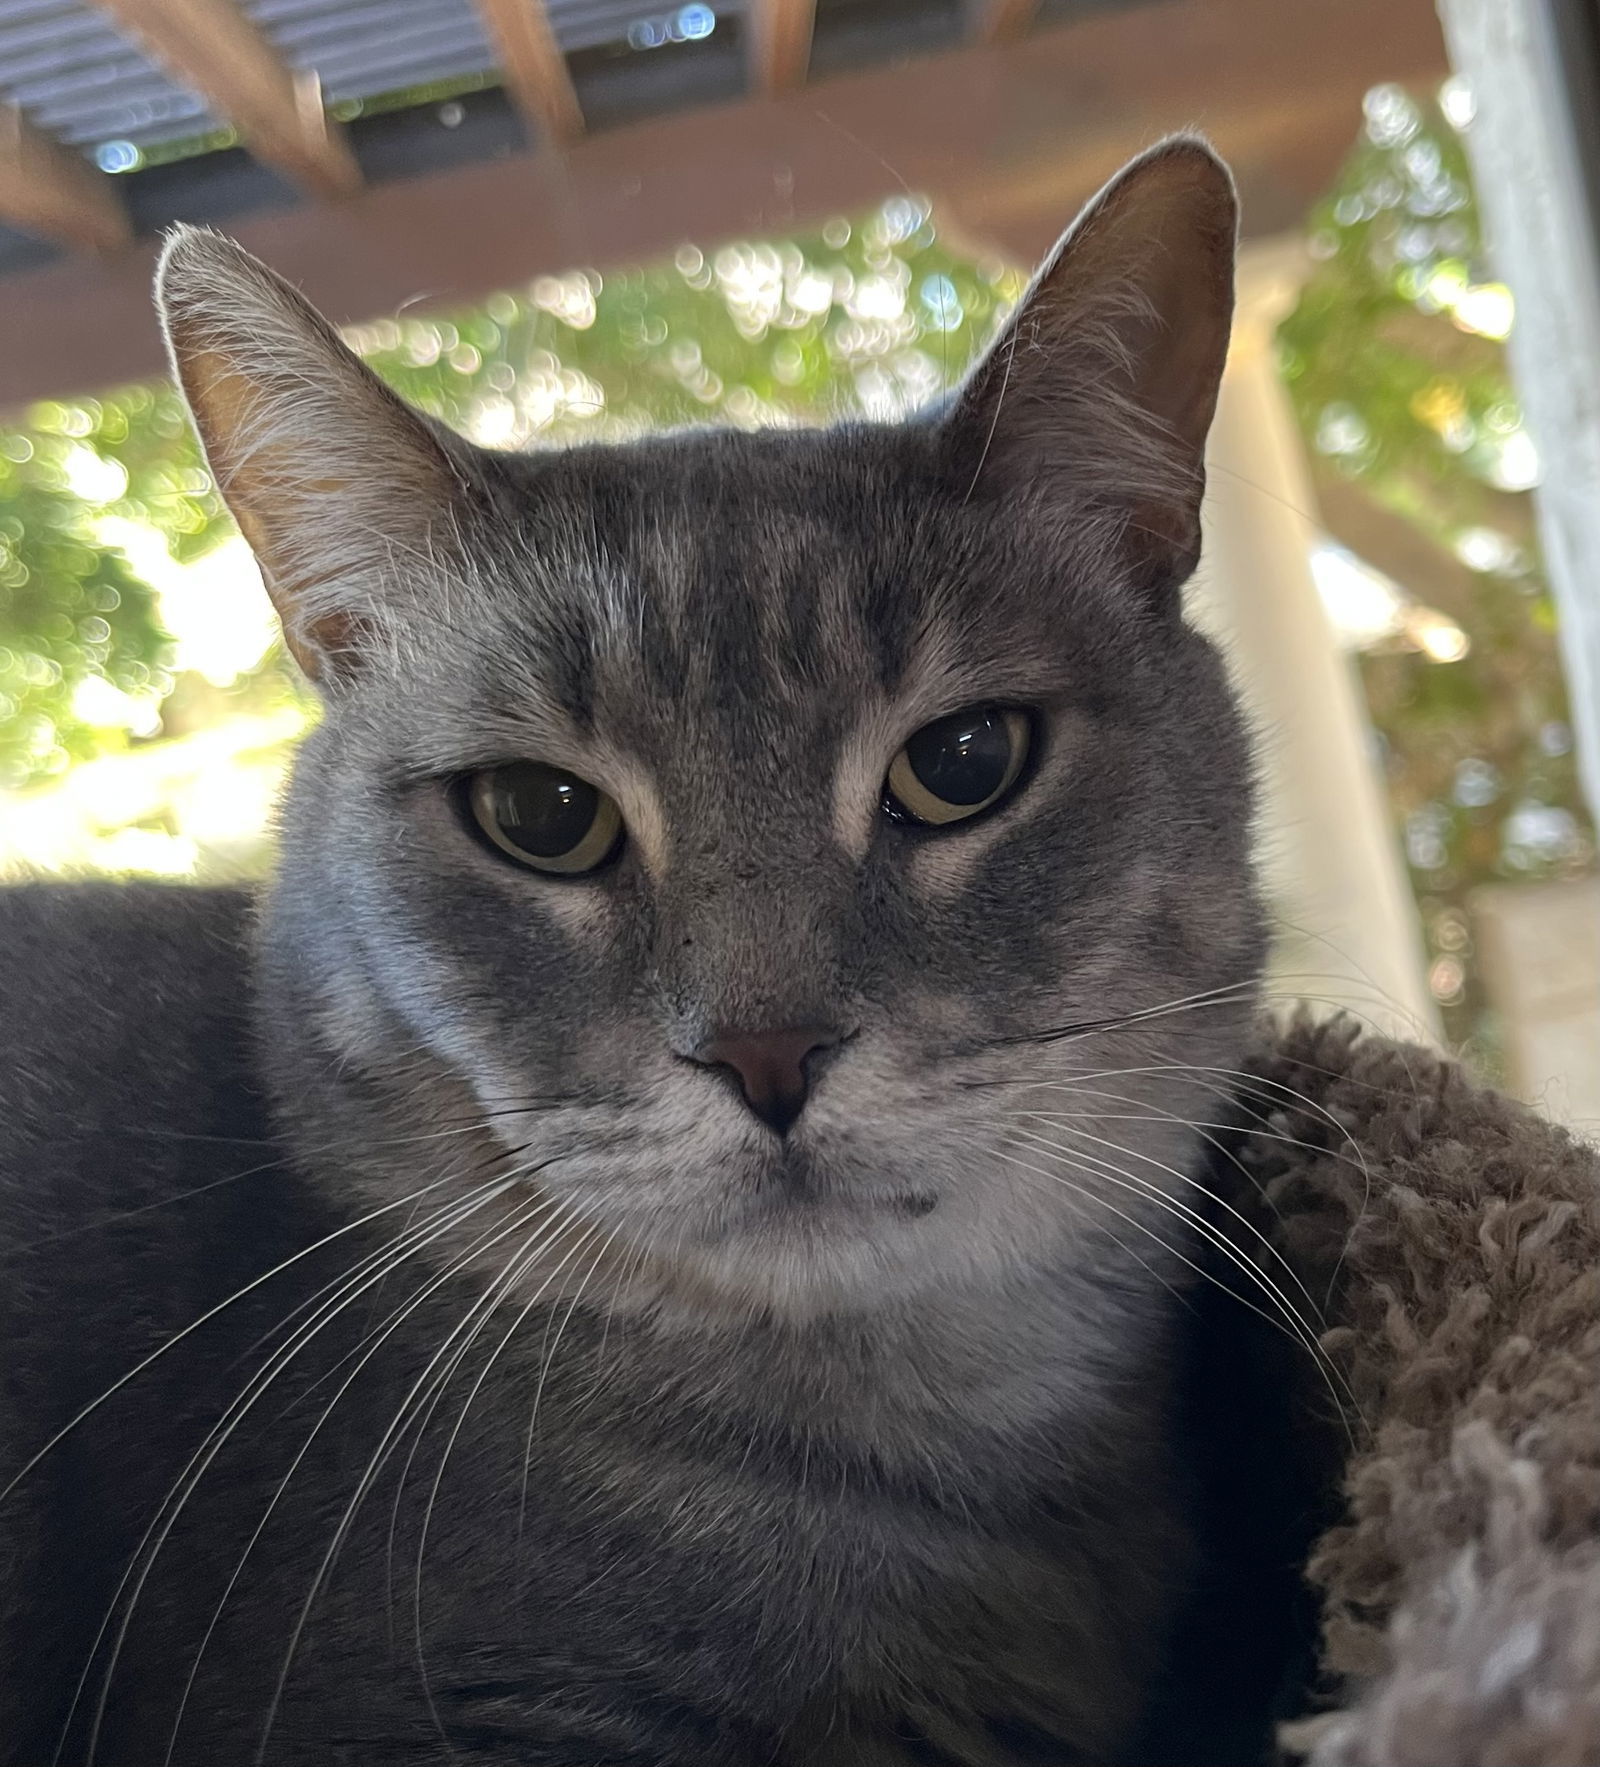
(1453, 1238)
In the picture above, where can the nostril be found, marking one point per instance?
(770, 1067)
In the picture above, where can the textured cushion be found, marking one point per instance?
(1452, 1239)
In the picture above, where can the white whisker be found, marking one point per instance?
(210, 1313)
(584, 1240)
(1070, 1127)
(394, 1432)
(1287, 1320)
(161, 1525)
(431, 1234)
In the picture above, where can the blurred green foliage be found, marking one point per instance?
(875, 315)
(71, 607)
(1395, 361)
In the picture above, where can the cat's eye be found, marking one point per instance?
(545, 817)
(960, 766)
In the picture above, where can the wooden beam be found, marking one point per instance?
(780, 43)
(48, 189)
(535, 69)
(1003, 21)
(214, 48)
(1006, 141)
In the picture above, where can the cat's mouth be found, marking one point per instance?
(909, 1204)
(801, 1175)
(804, 1255)
(854, 1205)
(803, 1218)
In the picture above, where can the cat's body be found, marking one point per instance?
(801, 1545)
(600, 1413)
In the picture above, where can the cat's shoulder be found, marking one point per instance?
(49, 920)
(98, 949)
(120, 988)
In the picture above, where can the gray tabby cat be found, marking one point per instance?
(662, 1240)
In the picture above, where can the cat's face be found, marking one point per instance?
(612, 849)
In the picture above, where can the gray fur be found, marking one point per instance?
(852, 1446)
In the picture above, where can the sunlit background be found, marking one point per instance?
(147, 713)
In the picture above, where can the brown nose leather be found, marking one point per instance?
(771, 1066)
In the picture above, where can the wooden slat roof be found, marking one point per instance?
(694, 120)
(120, 82)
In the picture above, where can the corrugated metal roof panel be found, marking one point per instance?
(362, 50)
(86, 82)
(79, 79)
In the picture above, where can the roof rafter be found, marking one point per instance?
(983, 130)
(213, 47)
(780, 43)
(48, 189)
(1002, 21)
(534, 67)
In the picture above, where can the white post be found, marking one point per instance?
(1530, 188)
(1348, 932)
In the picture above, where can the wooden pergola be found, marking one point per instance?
(581, 133)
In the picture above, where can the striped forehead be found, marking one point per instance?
(744, 637)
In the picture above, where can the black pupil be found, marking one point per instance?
(962, 759)
(542, 810)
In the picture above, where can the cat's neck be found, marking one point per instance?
(956, 1373)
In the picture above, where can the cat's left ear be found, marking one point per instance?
(342, 490)
(1098, 394)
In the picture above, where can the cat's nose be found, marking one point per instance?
(771, 1068)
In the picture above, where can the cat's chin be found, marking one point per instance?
(800, 1264)
(802, 1253)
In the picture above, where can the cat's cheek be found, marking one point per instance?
(585, 915)
(584, 910)
(943, 868)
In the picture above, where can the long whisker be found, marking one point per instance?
(1271, 1094)
(585, 1239)
(544, 1371)
(471, 1122)
(1102, 1202)
(522, 1258)
(1261, 1088)
(1279, 1096)
(1152, 1113)
(161, 1525)
(624, 1281)
(421, 1413)
(1229, 994)
(209, 1314)
(1287, 1320)
(517, 1173)
(1311, 1339)
(1068, 1124)
(394, 1432)
(434, 1232)
(1091, 1165)
(554, 1343)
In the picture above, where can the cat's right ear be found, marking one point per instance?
(336, 484)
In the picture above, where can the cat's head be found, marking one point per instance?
(757, 839)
